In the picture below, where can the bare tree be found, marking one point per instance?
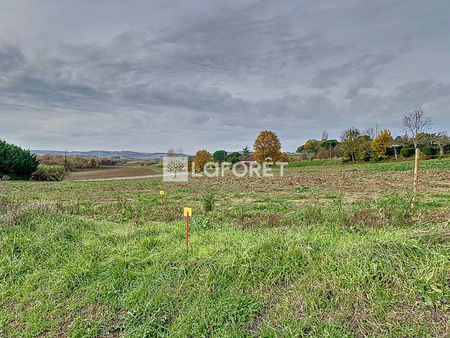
(415, 123)
(324, 135)
(370, 132)
(170, 153)
(441, 140)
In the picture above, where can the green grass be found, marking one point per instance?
(100, 258)
(442, 163)
(402, 165)
(315, 163)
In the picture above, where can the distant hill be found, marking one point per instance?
(102, 153)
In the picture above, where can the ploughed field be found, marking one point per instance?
(328, 249)
(105, 173)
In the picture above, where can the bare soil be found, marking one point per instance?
(109, 173)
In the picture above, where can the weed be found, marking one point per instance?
(209, 200)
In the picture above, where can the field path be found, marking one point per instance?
(116, 178)
(114, 173)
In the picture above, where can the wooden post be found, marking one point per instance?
(416, 172)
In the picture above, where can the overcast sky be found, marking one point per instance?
(154, 75)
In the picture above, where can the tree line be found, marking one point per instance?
(354, 145)
(373, 145)
(266, 147)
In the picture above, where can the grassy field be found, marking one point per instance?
(326, 250)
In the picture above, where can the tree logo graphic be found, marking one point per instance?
(175, 168)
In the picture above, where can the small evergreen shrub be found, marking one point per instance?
(430, 150)
(49, 173)
(233, 160)
(209, 200)
(407, 152)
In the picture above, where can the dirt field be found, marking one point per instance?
(109, 173)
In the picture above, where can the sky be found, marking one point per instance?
(203, 74)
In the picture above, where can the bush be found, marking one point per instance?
(16, 162)
(209, 200)
(220, 156)
(49, 173)
(233, 160)
(407, 152)
(430, 150)
(232, 155)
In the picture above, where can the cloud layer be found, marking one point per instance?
(147, 76)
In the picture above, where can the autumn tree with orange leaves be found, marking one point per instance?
(284, 157)
(201, 158)
(267, 145)
(382, 142)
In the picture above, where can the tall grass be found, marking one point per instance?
(266, 269)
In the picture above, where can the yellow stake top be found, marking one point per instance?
(161, 192)
(187, 210)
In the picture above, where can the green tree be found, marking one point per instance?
(234, 157)
(233, 160)
(16, 162)
(329, 144)
(351, 143)
(245, 153)
(364, 151)
(220, 156)
(312, 146)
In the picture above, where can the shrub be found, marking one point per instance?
(234, 154)
(49, 173)
(430, 150)
(284, 157)
(407, 152)
(233, 160)
(209, 200)
(16, 162)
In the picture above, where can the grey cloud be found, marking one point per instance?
(225, 70)
(365, 66)
(388, 109)
(211, 99)
(354, 88)
(11, 57)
